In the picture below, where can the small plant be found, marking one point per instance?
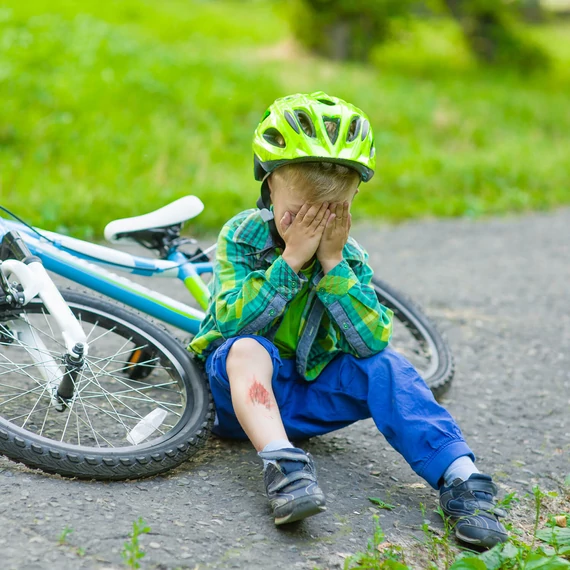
(381, 504)
(435, 543)
(517, 555)
(548, 550)
(508, 501)
(63, 535)
(132, 551)
(379, 555)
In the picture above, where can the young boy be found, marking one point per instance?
(295, 340)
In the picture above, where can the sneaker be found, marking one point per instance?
(291, 485)
(471, 504)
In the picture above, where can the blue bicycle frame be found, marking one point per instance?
(76, 260)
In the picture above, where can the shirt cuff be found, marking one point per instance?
(284, 279)
(336, 283)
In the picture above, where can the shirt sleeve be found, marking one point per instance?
(350, 299)
(247, 301)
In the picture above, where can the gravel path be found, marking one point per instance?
(500, 290)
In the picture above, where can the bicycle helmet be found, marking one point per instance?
(313, 128)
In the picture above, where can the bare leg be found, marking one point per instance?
(249, 368)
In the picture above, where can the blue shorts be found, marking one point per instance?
(385, 387)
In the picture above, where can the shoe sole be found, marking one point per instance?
(478, 542)
(302, 508)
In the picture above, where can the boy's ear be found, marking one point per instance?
(270, 187)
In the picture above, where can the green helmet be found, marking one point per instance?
(311, 128)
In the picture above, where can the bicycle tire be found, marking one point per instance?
(149, 458)
(441, 369)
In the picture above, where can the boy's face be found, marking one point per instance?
(286, 198)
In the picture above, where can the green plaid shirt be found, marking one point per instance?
(252, 286)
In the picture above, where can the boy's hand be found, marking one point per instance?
(302, 233)
(335, 236)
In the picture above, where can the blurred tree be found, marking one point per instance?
(491, 34)
(532, 11)
(345, 29)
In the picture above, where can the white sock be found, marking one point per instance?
(462, 468)
(274, 446)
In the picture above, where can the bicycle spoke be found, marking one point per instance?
(19, 395)
(48, 323)
(95, 325)
(35, 405)
(107, 404)
(94, 431)
(108, 331)
(45, 420)
(13, 418)
(131, 388)
(138, 391)
(90, 424)
(111, 404)
(26, 373)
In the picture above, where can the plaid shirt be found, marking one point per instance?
(252, 285)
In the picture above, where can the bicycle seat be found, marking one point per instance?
(172, 214)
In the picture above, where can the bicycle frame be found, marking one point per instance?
(86, 264)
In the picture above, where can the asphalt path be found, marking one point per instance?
(499, 288)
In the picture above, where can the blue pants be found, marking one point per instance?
(385, 387)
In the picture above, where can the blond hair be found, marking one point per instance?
(319, 181)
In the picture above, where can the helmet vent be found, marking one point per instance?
(327, 102)
(331, 125)
(365, 129)
(353, 129)
(292, 122)
(306, 124)
(274, 137)
(372, 150)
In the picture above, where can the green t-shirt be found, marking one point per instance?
(288, 333)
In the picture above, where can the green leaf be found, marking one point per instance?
(494, 558)
(470, 563)
(537, 560)
(510, 551)
(554, 536)
(381, 504)
(394, 565)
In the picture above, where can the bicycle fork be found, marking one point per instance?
(35, 281)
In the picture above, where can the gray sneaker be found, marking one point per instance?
(291, 485)
(471, 504)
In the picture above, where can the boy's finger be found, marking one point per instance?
(286, 220)
(339, 211)
(304, 209)
(324, 223)
(345, 213)
(320, 214)
(312, 214)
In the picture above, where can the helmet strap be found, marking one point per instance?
(264, 204)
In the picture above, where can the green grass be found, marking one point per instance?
(111, 109)
(528, 547)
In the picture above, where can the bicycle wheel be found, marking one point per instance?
(418, 339)
(100, 433)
